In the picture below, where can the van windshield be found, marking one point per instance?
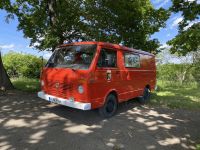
(75, 57)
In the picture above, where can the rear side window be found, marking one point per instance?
(107, 58)
(132, 60)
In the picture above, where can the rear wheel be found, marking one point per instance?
(146, 96)
(110, 107)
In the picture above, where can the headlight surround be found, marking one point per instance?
(80, 89)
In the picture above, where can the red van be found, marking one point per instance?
(90, 75)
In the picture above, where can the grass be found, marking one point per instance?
(168, 94)
(26, 84)
(198, 147)
(174, 95)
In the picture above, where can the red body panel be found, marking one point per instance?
(126, 82)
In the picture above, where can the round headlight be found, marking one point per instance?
(42, 83)
(80, 89)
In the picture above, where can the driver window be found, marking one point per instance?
(107, 58)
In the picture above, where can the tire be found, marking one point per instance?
(146, 96)
(110, 107)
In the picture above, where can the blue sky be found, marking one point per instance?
(11, 39)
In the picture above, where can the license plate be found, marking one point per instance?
(71, 99)
(54, 100)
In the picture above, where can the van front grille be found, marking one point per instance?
(62, 90)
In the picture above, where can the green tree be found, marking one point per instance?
(175, 72)
(129, 22)
(22, 65)
(196, 66)
(49, 22)
(188, 38)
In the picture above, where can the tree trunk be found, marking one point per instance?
(51, 7)
(5, 82)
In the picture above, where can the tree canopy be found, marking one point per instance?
(50, 22)
(188, 38)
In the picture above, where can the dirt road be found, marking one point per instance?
(27, 122)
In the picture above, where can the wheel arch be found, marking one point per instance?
(114, 92)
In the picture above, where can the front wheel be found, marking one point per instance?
(146, 96)
(110, 107)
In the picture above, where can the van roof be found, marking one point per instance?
(109, 45)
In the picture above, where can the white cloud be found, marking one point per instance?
(7, 46)
(175, 17)
(35, 44)
(45, 54)
(190, 0)
(190, 24)
(166, 57)
(176, 22)
(165, 46)
(161, 3)
(198, 1)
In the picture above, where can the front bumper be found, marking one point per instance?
(65, 102)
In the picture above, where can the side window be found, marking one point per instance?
(107, 58)
(132, 60)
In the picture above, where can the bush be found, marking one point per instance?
(22, 65)
(182, 73)
(196, 72)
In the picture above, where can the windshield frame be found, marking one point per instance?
(93, 49)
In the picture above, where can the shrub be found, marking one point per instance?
(196, 72)
(181, 73)
(22, 65)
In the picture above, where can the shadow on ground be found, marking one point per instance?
(27, 122)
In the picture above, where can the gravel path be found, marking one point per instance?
(27, 122)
